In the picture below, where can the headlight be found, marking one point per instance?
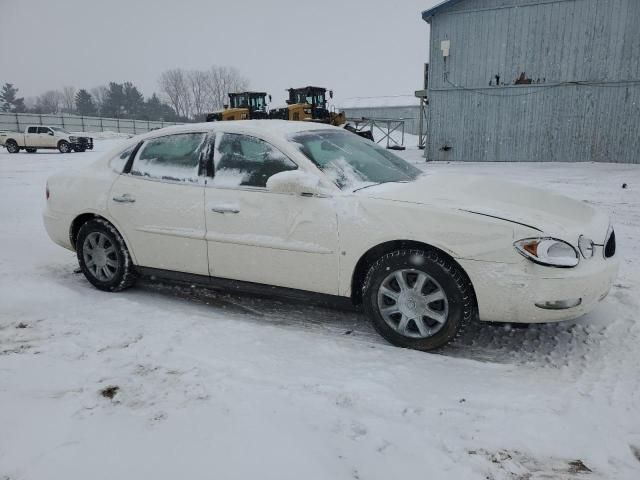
(548, 251)
(73, 139)
(586, 246)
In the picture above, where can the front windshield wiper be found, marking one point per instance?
(380, 183)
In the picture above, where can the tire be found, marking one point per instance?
(63, 146)
(422, 317)
(114, 270)
(80, 149)
(31, 150)
(12, 146)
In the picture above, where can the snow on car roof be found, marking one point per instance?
(280, 128)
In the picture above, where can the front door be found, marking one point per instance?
(159, 204)
(264, 237)
(46, 138)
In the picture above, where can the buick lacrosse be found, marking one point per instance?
(315, 208)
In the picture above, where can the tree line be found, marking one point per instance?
(185, 95)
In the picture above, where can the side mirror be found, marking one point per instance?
(330, 93)
(50, 133)
(296, 182)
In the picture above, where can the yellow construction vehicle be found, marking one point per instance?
(243, 106)
(309, 104)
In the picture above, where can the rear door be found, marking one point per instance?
(158, 203)
(32, 137)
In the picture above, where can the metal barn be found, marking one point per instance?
(534, 80)
(406, 107)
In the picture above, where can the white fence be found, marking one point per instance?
(75, 123)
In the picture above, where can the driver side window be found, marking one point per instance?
(246, 161)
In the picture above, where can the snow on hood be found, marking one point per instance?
(551, 214)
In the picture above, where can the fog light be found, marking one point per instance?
(559, 304)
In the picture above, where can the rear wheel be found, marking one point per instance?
(12, 146)
(64, 146)
(103, 256)
(418, 299)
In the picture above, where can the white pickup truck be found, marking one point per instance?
(42, 136)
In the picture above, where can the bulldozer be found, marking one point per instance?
(243, 106)
(309, 104)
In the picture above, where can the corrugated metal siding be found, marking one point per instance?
(410, 114)
(553, 41)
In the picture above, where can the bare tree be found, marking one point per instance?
(99, 95)
(194, 93)
(49, 102)
(68, 99)
(198, 92)
(222, 81)
(174, 85)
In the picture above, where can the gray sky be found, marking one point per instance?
(355, 47)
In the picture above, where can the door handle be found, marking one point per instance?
(124, 198)
(225, 209)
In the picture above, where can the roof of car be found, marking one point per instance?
(281, 128)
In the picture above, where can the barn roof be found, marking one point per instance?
(428, 14)
(375, 102)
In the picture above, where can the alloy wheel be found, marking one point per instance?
(100, 256)
(413, 303)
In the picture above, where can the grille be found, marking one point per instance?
(610, 245)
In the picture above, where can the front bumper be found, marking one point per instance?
(83, 143)
(509, 292)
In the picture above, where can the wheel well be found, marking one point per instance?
(78, 222)
(374, 253)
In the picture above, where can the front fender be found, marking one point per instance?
(365, 223)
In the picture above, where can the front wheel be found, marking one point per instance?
(12, 146)
(64, 146)
(103, 256)
(418, 299)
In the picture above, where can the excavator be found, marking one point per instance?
(309, 104)
(243, 106)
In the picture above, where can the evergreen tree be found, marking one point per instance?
(84, 103)
(133, 101)
(114, 101)
(9, 102)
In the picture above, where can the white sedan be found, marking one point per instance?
(318, 209)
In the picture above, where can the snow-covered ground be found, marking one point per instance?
(215, 385)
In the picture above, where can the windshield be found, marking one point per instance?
(316, 99)
(351, 161)
(257, 102)
(58, 129)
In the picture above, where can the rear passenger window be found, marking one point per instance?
(118, 162)
(242, 160)
(173, 158)
(32, 130)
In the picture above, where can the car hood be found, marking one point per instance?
(549, 213)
